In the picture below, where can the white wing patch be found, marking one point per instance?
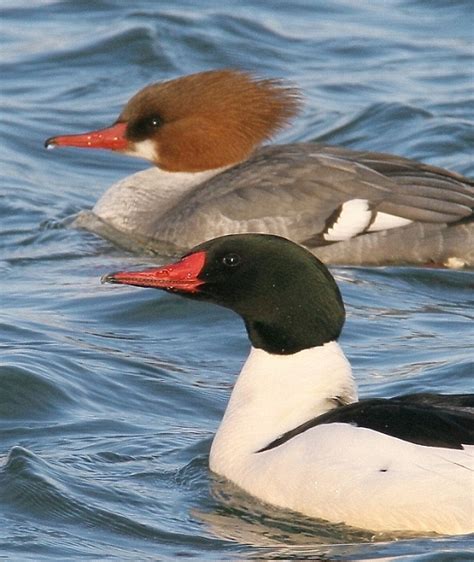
(354, 217)
(384, 221)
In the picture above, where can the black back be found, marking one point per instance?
(432, 420)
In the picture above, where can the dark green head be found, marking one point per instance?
(287, 298)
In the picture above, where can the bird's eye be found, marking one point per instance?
(231, 260)
(155, 122)
(143, 128)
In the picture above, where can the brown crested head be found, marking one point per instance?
(207, 120)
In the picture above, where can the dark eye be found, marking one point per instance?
(155, 122)
(144, 127)
(231, 260)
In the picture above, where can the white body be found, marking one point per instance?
(336, 472)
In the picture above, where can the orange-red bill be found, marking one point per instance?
(111, 138)
(181, 276)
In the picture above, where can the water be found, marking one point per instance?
(110, 396)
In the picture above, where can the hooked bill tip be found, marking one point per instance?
(108, 278)
(50, 143)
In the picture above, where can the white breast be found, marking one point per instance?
(276, 393)
(136, 203)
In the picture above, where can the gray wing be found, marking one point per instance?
(420, 192)
(298, 191)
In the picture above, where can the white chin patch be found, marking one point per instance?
(354, 217)
(384, 221)
(144, 149)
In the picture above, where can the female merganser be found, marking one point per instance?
(203, 131)
(294, 433)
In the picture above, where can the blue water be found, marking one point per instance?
(109, 396)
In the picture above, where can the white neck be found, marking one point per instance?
(136, 203)
(276, 393)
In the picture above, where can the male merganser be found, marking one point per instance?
(294, 433)
(203, 132)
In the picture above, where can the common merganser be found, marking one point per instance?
(294, 433)
(203, 131)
